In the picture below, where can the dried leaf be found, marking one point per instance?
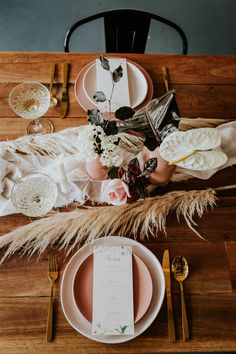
(134, 167)
(105, 63)
(99, 96)
(124, 113)
(95, 117)
(117, 74)
(113, 172)
(110, 128)
(149, 166)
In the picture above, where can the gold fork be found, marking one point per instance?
(52, 275)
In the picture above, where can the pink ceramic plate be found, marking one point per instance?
(83, 288)
(87, 104)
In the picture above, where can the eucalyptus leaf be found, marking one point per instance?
(149, 166)
(95, 117)
(117, 74)
(110, 128)
(105, 63)
(113, 172)
(124, 113)
(134, 166)
(99, 96)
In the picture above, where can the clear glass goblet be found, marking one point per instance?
(34, 194)
(31, 100)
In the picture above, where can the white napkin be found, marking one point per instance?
(14, 165)
(120, 95)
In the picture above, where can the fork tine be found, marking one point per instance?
(54, 263)
(50, 262)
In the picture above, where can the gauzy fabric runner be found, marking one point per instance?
(40, 154)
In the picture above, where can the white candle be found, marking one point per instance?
(64, 182)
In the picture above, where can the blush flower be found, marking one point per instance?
(115, 192)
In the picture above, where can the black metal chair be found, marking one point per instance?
(126, 31)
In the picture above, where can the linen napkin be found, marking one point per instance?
(116, 91)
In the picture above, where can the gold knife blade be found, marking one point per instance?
(167, 274)
(64, 100)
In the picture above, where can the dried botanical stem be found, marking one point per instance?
(138, 220)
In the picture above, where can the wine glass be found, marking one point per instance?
(31, 100)
(34, 194)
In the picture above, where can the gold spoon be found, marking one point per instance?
(53, 100)
(179, 269)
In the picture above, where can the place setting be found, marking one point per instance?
(112, 289)
(135, 89)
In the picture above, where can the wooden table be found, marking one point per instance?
(206, 87)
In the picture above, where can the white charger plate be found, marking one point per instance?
(77, 320)
(137, 82)
(86, 103)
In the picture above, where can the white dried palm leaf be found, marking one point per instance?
(190, 123)
(62, 142)
(138, 220)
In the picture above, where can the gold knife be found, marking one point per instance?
(165, 77)
(64, 101)
(167, 274)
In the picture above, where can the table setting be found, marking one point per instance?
(112, 200)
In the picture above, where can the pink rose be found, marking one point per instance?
(115, 192)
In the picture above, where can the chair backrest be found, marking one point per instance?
(126, 31)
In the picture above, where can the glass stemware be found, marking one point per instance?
(34, 194)
(31, 100)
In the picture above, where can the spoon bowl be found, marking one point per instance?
(180, 270)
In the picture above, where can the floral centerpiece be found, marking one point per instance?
(104, 159)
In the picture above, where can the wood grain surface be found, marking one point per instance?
(206, 88)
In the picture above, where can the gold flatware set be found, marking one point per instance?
(64, 100)
(179, 269)
(167, 274)
(52, 276)
(53, 100)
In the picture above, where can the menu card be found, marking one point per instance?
(120, 90)
(113, 312)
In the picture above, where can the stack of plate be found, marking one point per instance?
(140, 86)
(77, 281)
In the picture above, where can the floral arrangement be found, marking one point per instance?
(128, 180)
(94, 142)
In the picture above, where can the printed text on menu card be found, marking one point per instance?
(113, 312)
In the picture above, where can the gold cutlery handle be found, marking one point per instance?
(165, 77)
(171, 325)
(52, 77)
(65, 75)
(50, 316)
(184, 314)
